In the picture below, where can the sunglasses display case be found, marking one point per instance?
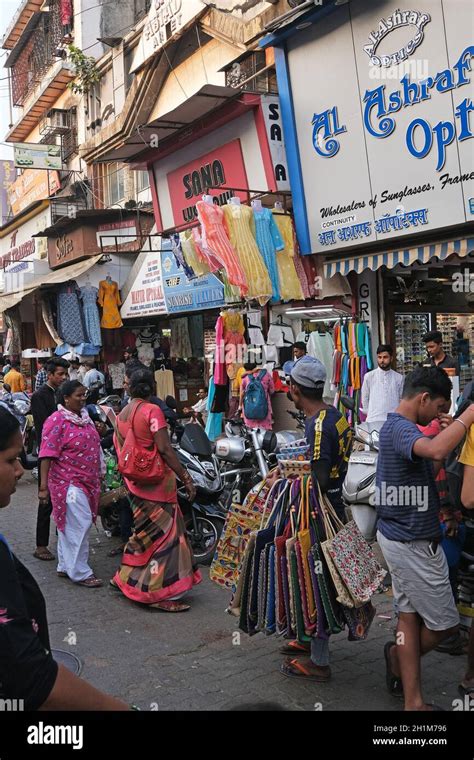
(409, 346)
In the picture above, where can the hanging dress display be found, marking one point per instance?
(241, 227)
(352, 359)
(180, 344)
(42, 334)
(70, 318)
(109, 299)
(88, 296)
(179, 256)
(290, 284)
(234, 342)
(269, 241)
(320, 345)
(204, 253)
(190, 253)
(215, 238)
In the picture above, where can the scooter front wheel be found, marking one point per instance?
(204, 540)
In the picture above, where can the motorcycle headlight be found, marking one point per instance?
(270, 442)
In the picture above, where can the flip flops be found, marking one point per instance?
(295, 647)
(90, 582)
(171, 606)
(297, 669)
(394, 683)
(44, 554)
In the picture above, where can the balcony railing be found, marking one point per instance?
(39, 52)
(252, 74)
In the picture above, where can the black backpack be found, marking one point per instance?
(453, 467)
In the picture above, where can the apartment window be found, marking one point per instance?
(142, 181)
(115, 184)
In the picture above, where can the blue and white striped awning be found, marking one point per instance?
(405, 257)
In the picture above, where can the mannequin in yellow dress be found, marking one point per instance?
(109, 299)
(241, 228)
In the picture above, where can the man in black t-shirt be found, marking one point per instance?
(43, 405)
(437, 356)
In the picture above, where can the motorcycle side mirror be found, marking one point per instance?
(348, 403)
(170, 402)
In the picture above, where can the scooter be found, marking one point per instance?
(358, 489)
(204, 518)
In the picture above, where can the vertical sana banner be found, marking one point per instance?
(182, 294)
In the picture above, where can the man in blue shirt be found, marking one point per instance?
(409, 531)
(330, 439)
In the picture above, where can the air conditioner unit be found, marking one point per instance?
(56, 121)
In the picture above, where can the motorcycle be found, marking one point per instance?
(204, 518)
(247, 456)
(358, 489)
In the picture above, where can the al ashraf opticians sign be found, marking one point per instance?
(394, 157)
(397, 20)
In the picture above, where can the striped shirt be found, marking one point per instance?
(381, 393)
(406, 496)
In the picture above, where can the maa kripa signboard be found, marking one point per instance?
(385, 135)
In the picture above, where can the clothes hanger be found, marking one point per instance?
(279, 322)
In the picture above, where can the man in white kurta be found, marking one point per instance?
(382, 388)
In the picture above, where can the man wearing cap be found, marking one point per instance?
(330, 439)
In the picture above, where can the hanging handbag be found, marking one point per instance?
(143, 466)
(359, 621)
(332, 524)
(263, 537)
(352, 559)
(240, 522)
(303, 545)
(356, 563)
(281, 578)
(246, 573)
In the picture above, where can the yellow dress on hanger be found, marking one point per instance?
(290, 285)
(190, 253)
(241, 227)
(109, 299)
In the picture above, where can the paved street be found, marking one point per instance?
(190, 661)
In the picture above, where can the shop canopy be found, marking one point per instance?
(65, 274)
(405, 257)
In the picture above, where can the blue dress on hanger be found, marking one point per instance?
(269, 241)
(88, 295)
(70, 318)
(214, 419)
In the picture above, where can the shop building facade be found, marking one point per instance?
(381, 162)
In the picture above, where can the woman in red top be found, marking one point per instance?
(157, 564)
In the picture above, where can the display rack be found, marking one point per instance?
(409, 331)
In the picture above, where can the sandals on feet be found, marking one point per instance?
(91, 582)
(44, 554)
(60, 574)
(394, 683)
(171, 606)
(296, 647)
(297, 669)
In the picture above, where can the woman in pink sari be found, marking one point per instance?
(71, 467)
